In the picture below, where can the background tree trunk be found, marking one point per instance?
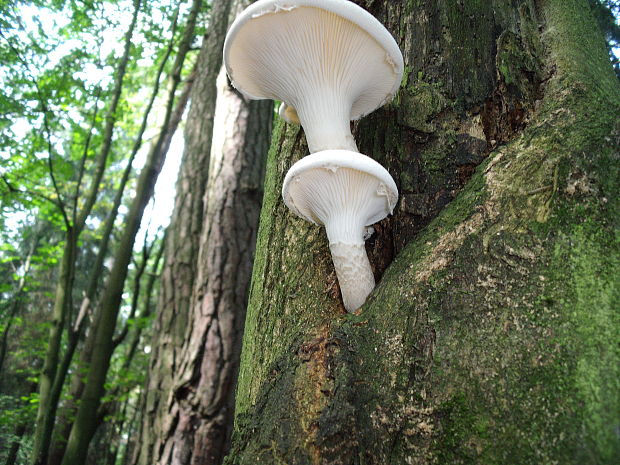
(492, 334)
(49, 387)
(182, 242)
(189, 404)
(204, 384)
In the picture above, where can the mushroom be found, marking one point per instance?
(288, 114)
(329, 61)
(346, 192)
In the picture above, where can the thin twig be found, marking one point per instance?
(85, 154)
(16, 190)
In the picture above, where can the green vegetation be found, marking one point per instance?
(79, 114)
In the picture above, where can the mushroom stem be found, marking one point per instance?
(326, 122)
(354, 273)
(355, 277)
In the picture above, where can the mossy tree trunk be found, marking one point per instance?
(492, 336)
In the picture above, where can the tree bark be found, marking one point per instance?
(202, 410)
(492, 334)
(195, 410)
(182, 242)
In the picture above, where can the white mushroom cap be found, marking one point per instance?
(329, 60)
(344, 191)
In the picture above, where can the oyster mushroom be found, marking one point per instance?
(329, 61)
(345, 192)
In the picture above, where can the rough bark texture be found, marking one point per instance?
(189, 405)
(182, 241)
(201, 412)
(492, 334)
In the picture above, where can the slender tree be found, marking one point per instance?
(492, 334)
(74, 224)
(63, 422)
(102, 334)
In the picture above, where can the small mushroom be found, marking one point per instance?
(288, 114)
(329, 61)
(346, 192)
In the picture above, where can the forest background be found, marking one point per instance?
(93, 110)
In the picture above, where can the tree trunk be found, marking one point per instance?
(16, 443)
(203, 401)
(193, 419)
(492, 334)
(48, 403)
(182, 243)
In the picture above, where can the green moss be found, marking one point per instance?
(519, 69)
(405, 80)
(458, 424)
(418, 103)
(588, 257)
(556, 396)
(578, 47)
(261, 262)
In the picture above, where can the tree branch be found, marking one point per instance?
(85, 155)
(91, 197)
(16, 190)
